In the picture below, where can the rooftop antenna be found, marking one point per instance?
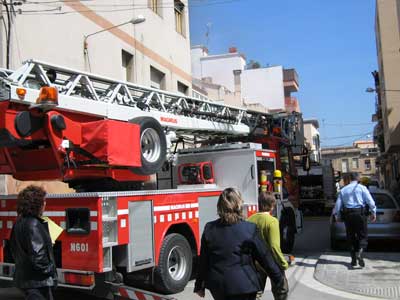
(208, 32)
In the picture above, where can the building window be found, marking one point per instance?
(182, 88)
(345, 165)
(157, 79)
(127, 66)
(155, 5)
(367, 163)
(354, 163)
(179, 8)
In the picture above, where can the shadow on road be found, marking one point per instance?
(333, 262)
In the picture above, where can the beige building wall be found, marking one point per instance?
(264, 89)
(57, 37)
(13, 186)
(388, 45)
(361, 158)
(311, 134)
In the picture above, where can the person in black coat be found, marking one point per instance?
(229, 248)
(31, 246)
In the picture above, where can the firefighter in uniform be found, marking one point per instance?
(353, 204)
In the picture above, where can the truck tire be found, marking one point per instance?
(153, 145)
(174, 265)
(288, 231)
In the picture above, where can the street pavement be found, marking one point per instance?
(380, 277)
(316, 274)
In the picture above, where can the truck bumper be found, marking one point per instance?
(75, 279)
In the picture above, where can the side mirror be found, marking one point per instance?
(207, 172)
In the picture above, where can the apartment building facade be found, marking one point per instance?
(262, 88)
(387, 88)
(153, 53)
(360, 157)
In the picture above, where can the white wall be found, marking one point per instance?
(264, 86)
(59, 39)
(197, 52)
(309, 133)
(220, 68)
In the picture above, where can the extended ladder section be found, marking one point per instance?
(4, 73)
(120, 100)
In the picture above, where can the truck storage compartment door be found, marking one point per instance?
(141, 236)
(207, 211)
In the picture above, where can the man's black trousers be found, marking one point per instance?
(356, 228)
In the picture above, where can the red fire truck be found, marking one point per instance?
(111, 141)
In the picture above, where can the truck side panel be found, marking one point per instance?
(74, 249)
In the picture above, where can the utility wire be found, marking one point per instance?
(17, 41)
(5, 28)
(200, 2)
(344, 136)
(8, 36)
(60, 1)
(127, 7)
(35, 11)
(76, 1)
(344, 144)
(348, 124)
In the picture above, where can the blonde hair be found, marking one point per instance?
(229, 206)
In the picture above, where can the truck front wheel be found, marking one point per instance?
(174, 264)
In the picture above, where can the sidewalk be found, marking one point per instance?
(380, 278)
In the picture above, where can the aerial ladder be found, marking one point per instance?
(85, 128)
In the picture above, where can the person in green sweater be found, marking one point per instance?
(268, 227)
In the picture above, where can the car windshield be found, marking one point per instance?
(383, 201)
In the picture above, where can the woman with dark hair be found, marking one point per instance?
(229, 247)
(35, 270)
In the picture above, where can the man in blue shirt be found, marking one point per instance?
(351, 207)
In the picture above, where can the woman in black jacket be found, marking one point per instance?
(229, 247)
(35, 270)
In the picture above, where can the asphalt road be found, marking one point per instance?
(310, 244)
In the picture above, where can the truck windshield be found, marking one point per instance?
(284, 156)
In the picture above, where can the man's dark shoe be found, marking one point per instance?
(353, 259)
(360, 259)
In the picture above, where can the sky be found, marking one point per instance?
(331, 44)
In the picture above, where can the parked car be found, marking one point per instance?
(386, 227)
